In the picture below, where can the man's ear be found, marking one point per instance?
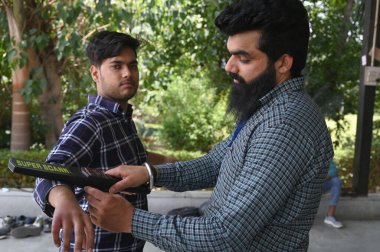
(94, 73)
(284, 64)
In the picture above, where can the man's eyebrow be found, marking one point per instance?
(123, 62)
(240, 52)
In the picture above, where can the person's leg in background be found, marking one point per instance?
(334, 185)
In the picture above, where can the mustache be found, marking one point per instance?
(128, 81)
(236, 77)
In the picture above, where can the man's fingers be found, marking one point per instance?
(93, 198)
(55, 228)
(132, 176)
(121, 185)
(92, 211)
(94, 193)
(116, 172)
(84, 242)
(89, 237)
(93, 216)
(94, 220)
(66, 236)
(84, 233)
(79, 234)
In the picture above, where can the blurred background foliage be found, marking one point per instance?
(14, 180)
(181, 106)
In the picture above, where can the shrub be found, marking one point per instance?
(193, 117)
(180, 155)
(344, 158)
(14, 180)
(374, 174)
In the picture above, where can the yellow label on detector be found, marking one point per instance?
(46, 167)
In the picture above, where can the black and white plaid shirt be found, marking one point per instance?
(99, 136)
(267, 183)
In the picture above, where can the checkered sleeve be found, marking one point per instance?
(74, 148)
(76, 145)
(261, 188)
(195, 174)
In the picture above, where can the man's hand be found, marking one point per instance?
(68, 215)
(109, 211)
(132, 176)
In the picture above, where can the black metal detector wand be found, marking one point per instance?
(73, 176)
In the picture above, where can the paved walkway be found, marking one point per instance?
(361, 217)
(356, 236)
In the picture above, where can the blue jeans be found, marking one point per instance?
(334, 185)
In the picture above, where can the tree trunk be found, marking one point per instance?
(20, 131)
(51, 100)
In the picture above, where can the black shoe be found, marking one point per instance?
(25, 231)
(29, 230)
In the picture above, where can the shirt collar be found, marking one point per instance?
(110, 105)
(287, 86)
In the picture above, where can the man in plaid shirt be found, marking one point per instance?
(99, 136)
(267, 176)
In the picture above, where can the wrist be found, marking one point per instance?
(129, 225)
(58, 194)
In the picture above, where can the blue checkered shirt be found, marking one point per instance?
(267, 183)
(99, 136)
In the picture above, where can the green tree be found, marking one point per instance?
(53, 46)
(20, 138)
(334, 56)
(5, 88)
(178, 35)
(194, 118)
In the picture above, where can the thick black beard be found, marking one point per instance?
(244, 97)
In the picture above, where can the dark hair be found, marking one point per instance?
(284, 26)
(107, 44)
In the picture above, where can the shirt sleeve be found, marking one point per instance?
(333, 171)
(74, 148)
(196, 174)
(274, 163)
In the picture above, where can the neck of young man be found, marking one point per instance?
(124, 105)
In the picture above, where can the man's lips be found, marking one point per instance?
(237, 79)
(127, 83)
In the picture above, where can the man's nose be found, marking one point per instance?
(230, 65)
(126, 72)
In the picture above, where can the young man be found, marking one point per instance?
(268, 174)
(99, 136)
